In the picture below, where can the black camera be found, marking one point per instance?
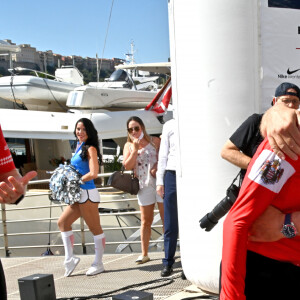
(211, 219)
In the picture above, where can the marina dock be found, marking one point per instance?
(121, 275)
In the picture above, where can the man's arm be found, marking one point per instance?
(281, 125)
(162, 160)
(232, 153)
(267, 228)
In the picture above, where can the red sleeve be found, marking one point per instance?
(6, 161)
(265, 177)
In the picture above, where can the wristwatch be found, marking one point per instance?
(288, 229)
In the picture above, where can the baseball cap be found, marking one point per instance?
(281, 90)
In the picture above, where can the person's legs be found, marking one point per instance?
(70, 214)
(160, 206)
(146, 222)
(170, 218)
(89, 212)
(146, 199)
(99, 241)
(3, 292)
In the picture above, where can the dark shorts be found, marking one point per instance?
(267, 278)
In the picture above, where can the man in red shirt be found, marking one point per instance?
(267, 268)
(12, 190)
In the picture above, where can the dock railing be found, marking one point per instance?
(120, 215)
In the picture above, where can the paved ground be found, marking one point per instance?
(121, 275)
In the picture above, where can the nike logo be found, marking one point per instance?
(291, 72)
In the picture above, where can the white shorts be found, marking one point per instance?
(92, 195)
(147, 196)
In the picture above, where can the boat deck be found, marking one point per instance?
(121, 275)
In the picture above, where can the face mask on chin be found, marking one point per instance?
(141, 135)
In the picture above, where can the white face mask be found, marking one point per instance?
(141, 135)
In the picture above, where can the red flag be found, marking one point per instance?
(161, 101)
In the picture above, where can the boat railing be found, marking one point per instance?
(133, 238)
(35, 72)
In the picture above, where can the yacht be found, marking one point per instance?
(120, 91)
(38, 90)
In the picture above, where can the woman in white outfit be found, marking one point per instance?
(141, 153)
(86, 160)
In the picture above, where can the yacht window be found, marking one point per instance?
(118, 75)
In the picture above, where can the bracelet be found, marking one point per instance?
(19, 200)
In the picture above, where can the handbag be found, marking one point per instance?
(124, 182)
(64, 184)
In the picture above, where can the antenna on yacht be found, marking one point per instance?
(130, 57)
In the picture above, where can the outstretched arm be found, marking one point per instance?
(281, 125)
(13, 185)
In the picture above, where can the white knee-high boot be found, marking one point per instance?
(97, 266)
(68, 241)
(70, 260)
(99, 241)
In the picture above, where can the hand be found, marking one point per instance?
(267, 227)
(281, 125)
(14, 187)
(136, 144)
(154, 170)
(160, 190)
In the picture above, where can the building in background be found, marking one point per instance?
(30, 57)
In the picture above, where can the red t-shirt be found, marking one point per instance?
(268, 181)
(6, 161)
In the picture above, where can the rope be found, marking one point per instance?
(12, 90)
(54, 96)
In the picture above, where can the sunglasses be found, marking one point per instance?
(135, 128)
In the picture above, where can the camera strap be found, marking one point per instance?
(236, 177)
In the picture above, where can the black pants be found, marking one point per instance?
(269, 279)
(3, 293)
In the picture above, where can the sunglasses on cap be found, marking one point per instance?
(135, 128)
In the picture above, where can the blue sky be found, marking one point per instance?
(76, 27)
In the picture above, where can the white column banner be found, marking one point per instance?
(280, 38)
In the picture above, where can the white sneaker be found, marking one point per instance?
(71, 265)
(95, 269)
(142, 259)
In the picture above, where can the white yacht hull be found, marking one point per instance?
(93, 97)
(33, 90)
(58, 125)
